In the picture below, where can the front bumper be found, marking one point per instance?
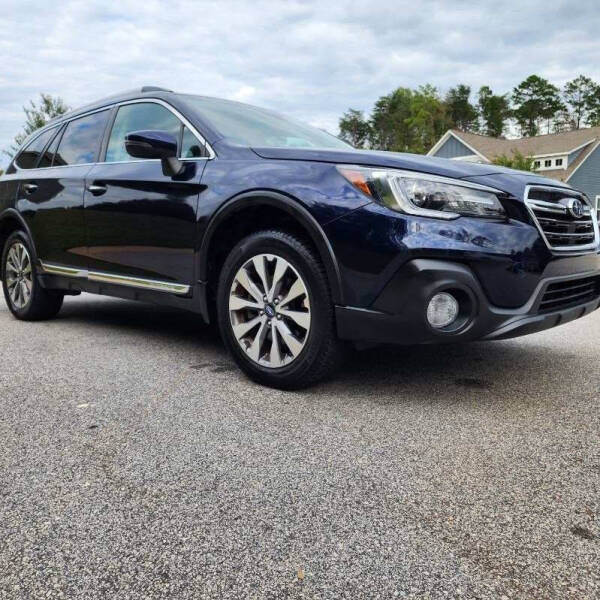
(399, 314)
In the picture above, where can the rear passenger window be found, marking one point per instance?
(80, 142)
(48, 155)
(29, 157)
(191, 147)
(137, 117)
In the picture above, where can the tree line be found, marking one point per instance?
(36, 116)
(408, 120)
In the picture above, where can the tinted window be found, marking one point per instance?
(138, 117)
(29, 156)
(48, 155)
(191, 147)
(81, 140)
(251, 126)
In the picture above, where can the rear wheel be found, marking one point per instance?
(275, 311)
(25, 298)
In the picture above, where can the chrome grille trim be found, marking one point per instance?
(558, 229)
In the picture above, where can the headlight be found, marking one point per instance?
(425, 195)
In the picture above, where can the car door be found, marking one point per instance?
(50, 196)
(141, 223)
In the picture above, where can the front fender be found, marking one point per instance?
(293, 207)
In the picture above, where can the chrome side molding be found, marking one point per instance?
(64, 271)
(147, 284)
(135, 282)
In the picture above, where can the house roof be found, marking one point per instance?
(565, 174)
(541, 145)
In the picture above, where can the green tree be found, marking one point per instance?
(459, 109)
(494, 110)
(578, 95)
(593, 107)
(535, 100)
(515, 161)
(354, 129)
(389, 128)
(408, 120)
(36, 116)
(428, 120)
(563, 121)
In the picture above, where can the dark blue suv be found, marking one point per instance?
(293, 241)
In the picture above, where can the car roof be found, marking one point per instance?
(176, 100)
(148, 91)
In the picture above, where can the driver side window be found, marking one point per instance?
(138, 117)
(191, 147)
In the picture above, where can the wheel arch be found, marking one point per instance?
(273, 201)
(10, 221)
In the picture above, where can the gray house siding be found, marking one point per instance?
(452, 148)
(587, 177)
(574, 155)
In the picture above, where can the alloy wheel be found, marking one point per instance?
(19, 275)
(269, 310)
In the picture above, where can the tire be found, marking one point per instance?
(19, 276)
(307, 349)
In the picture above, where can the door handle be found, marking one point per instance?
(96, 190)
(30, 188)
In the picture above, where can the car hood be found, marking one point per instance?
(502, 178)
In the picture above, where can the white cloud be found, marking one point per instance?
(244, 94)
(309, 59)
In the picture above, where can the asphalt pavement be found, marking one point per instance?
(137, 462)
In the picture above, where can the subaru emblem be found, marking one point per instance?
(575, 207)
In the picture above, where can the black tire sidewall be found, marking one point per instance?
(21, 237)
(43, 303)
(301, 258)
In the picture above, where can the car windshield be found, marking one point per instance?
(252, 126)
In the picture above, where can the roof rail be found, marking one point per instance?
(154, 88)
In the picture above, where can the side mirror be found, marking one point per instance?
(155, 145)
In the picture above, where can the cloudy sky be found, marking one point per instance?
(309, 59)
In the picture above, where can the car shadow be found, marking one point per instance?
(519, 368)
(155, 321)
(480, 368)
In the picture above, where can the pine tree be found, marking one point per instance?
(37, 115)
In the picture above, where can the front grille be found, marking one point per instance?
(561, 228)
(565, 294)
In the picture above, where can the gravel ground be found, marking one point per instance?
(136, 462)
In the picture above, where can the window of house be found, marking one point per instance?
(138, 117)
(558, 162)
(29, 157)
(80, 142)
(536, 164)
(548, 163)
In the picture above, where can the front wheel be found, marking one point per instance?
(275, 311)
(25, 297)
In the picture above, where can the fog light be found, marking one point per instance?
(442, 310)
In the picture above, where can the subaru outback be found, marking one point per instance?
(294, 242)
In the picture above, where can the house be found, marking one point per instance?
(572, 156)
